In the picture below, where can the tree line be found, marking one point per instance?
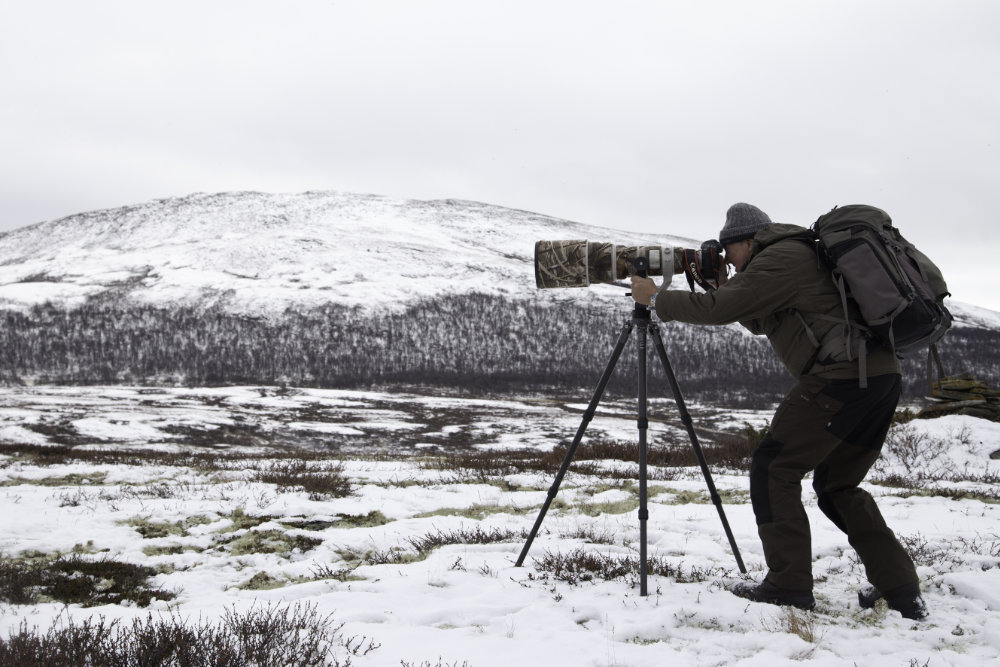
(470, 342)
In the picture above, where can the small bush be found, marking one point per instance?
(590, 534)
(327, 481)
(390, 556)
(478, 535)
(978, 552)
(911, 449)
(75, 580)
(324, 571)
(754, 436)
(487, 466)
(262, 637)
(911, 458)
(581, 565)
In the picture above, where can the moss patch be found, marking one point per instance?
(75, 479)
(166, 550)
(369, 520)
(728, 496)
(615, 507)
(480, 512)
(243, 521)
(262, 581)
(270, 542)
(151, 530)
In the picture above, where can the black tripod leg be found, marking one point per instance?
(643, 422)
(686, 418)
(587, 417)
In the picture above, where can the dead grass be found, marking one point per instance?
(796, 622)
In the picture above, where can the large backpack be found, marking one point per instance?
(897, 289)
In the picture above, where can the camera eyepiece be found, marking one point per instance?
(710, 259)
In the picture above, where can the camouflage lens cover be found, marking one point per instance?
(582, 263)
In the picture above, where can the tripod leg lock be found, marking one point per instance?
(643, 515)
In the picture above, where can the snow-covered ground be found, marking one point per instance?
(467, 603)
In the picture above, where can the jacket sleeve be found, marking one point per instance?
(766, 286)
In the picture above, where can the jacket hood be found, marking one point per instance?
(777, 231)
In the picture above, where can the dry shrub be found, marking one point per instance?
(581, 565)
(263, 637)
(320, 482)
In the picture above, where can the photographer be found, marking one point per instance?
(829, 424)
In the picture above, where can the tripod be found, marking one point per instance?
(641, 319)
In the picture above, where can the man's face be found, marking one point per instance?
(738, 253)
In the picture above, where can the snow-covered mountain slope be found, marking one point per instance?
(967, 315)
(261, 253)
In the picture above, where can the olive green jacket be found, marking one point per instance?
(782, 285)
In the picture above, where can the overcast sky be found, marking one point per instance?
(646, 116)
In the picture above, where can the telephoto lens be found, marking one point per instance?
(583, 263)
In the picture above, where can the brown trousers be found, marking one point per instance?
(835, 429)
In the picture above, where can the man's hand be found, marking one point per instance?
(643, 289)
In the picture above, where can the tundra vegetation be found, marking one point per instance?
(253, 505)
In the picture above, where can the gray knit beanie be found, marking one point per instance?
(742, 222)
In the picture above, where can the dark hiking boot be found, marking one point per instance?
(868, 596)
(904, 599)
(768, 593)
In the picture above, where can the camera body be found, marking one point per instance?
(705, 265)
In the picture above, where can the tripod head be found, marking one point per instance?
(641, 267)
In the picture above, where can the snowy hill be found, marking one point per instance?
(257, 253)
(261, 253)
(334, 290)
